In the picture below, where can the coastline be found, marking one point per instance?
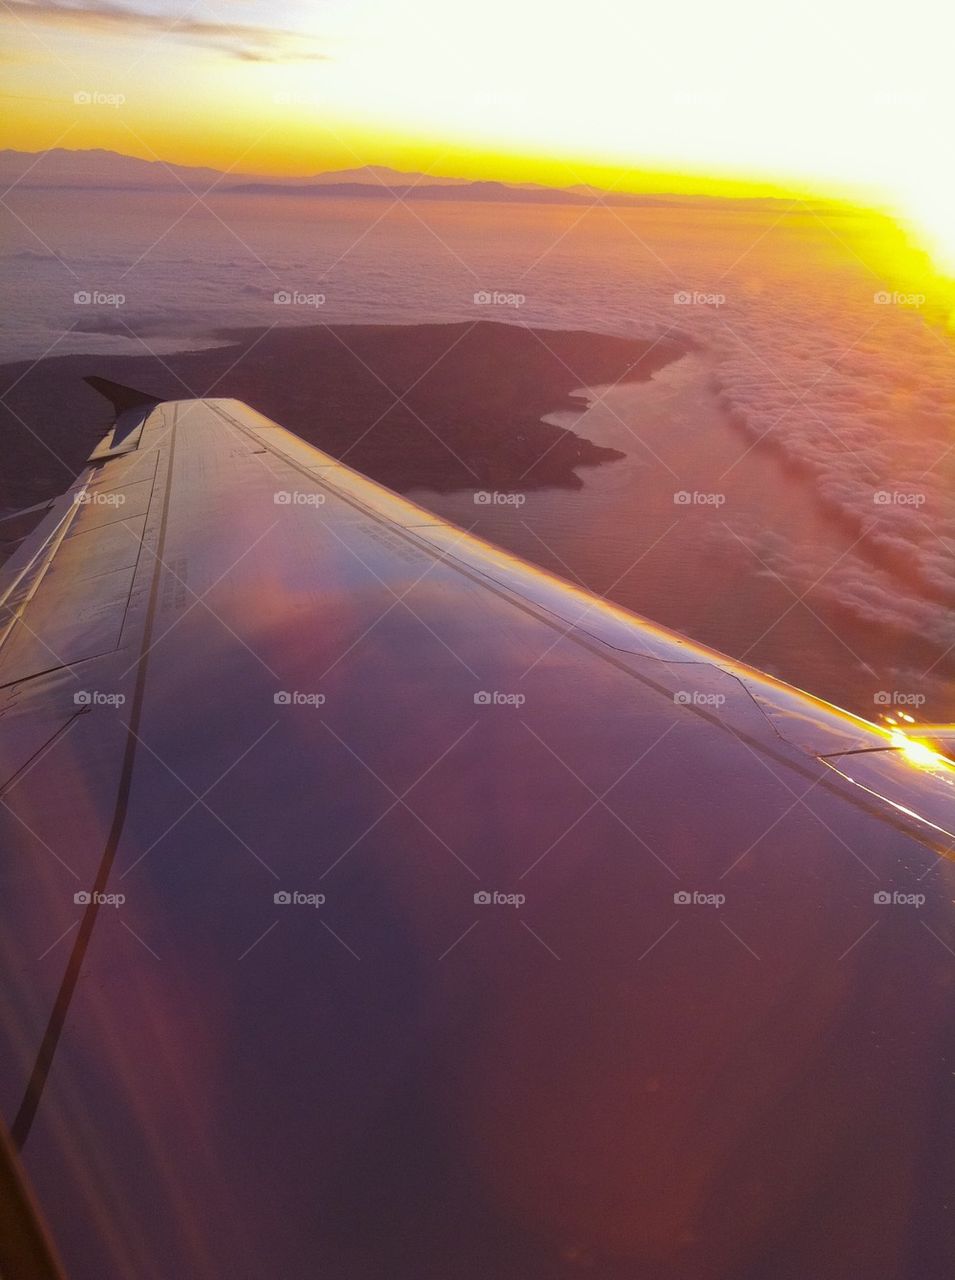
(443, 407)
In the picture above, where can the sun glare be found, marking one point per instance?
(529, 91)
(918, 753)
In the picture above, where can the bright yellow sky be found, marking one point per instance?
(849, 98)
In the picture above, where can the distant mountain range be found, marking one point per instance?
(415, 187)
(59, 169)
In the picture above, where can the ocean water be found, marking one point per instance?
(788, 491)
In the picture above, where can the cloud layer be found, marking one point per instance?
(95, 18)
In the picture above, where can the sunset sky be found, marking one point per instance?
(848, 99)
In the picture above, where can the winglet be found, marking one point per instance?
(131, 408)
(121, 397)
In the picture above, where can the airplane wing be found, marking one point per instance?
(377, 905)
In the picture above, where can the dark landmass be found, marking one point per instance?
(440, 406)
